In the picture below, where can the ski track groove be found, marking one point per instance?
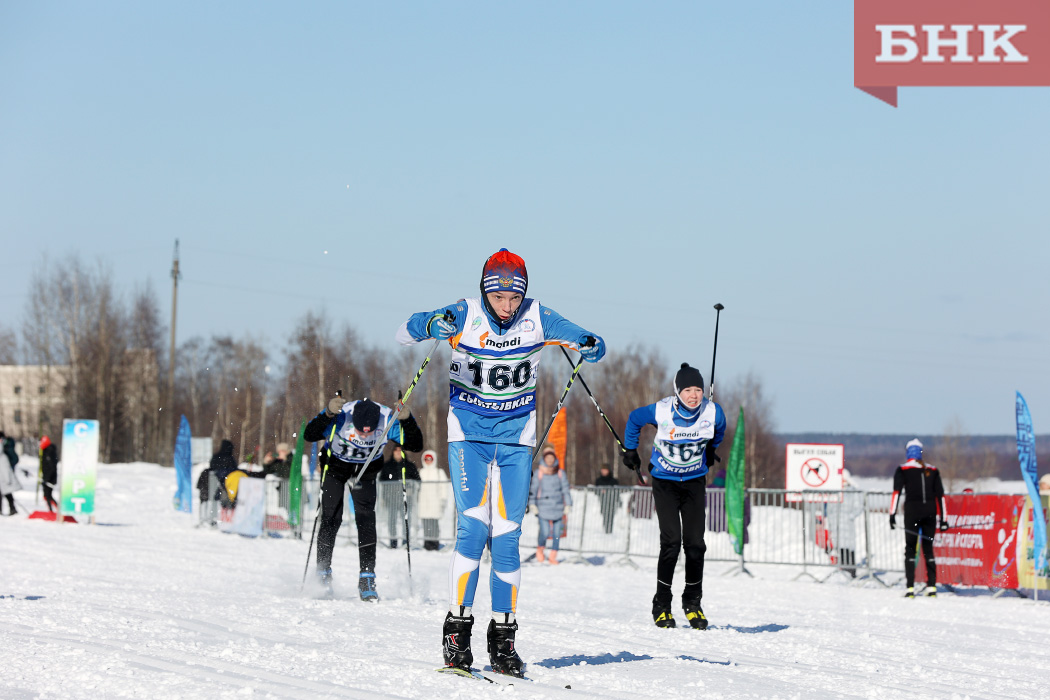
(235, 675)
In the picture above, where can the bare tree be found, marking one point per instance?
(8, 347)
(139, 399)
(762, 454)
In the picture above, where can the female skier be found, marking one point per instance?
(688, 430)
(496, 342)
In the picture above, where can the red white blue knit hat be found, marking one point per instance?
(504, 272)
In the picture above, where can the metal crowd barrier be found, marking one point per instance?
(845, 532)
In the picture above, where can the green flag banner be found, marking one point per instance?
(735, 488)
(295, 482)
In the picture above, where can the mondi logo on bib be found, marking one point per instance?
(949, 43)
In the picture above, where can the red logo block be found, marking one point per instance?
(949, 43)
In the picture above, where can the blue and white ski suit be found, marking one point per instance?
(492, 432)
(682, 439)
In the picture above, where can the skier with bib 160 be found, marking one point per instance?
(688, 430)
(496, 341)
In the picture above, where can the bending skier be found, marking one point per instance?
(688, 430)
(350, 431)
(496, 341)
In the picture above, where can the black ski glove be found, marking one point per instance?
(711, 457)
(631, 460)
(893, 521)
(944, 525)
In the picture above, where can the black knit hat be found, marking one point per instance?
(365, 416)
(687, 376)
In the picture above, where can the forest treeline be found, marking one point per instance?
(256, 391)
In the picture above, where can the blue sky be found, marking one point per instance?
(882, 270)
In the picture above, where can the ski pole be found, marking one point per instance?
(714, 353)
(594, 401)
(408, 545)
(320, 500)
(400, 405)
(313, 532)
(561, 402)
(918, 534)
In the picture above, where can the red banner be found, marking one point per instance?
(949, 42)
(981, 546)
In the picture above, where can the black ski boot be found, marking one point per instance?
(455, 641)
(366, 585)
(663, 618)
(694, 613)
(502, 656)
(662, 609)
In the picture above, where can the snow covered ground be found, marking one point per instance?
(145, 605)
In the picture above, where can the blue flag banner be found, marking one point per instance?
(184, 492)
(1026, 455)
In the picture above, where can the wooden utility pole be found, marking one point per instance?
(169, 432)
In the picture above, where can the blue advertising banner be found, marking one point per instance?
(183, 452)
(1026, 455)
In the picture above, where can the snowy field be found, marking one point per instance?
(144, 605)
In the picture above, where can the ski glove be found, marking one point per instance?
(441, 326)
(711, 457)
(944, 525)
(335, 406)
(631, 460)
(565, 511)
(592, 348)
(893, 521)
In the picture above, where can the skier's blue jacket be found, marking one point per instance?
(683, 436)
(495, 366)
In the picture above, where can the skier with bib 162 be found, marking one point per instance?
(689, 428)
(496, 342)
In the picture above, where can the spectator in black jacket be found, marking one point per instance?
(281, 465)
(924, 505)
(48, 471)
(351, 431)
(608, 498)
(393, 499)
(223, 464)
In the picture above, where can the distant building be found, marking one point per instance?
(31, 398)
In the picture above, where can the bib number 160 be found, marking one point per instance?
(501, 376)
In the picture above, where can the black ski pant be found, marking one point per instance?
(363, 494)
(50, 499)
(918, 527)
(680, 508)
(11, 502)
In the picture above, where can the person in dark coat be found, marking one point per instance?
(48, 470)
(609, 498)
(281, 465)
(223, 464)
(392, 497)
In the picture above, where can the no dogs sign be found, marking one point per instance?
(812, 467)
